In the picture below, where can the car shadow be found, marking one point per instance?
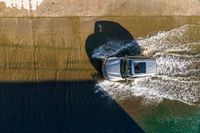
(106, 32)
(61, 107)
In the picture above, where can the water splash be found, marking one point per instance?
(154, 89)
(175, 64)
(178, 75)
(116, 48)
(184, 37)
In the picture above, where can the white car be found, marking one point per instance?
(127, 68)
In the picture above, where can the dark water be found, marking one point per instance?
(60, 107)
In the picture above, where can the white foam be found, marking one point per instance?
(154, 89)
(185, 47)
(178, 74)
(178, 38)
(113, 47)
(174, 64)
(26, 4)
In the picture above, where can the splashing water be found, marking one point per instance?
(183, 38)
(116, 48)
(155, 89)
(178, 65)
(174, 64)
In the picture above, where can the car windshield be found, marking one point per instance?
(125, 68)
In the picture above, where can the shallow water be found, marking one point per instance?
(177, 75)
(49, 84)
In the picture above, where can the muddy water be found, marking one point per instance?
(36, 52)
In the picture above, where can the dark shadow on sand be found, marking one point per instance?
(105, 32)
(61, 107)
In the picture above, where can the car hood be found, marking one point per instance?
(113, 68)
(151, 67)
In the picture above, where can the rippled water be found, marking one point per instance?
(178, 67)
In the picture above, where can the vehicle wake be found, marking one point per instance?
(178, 67)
